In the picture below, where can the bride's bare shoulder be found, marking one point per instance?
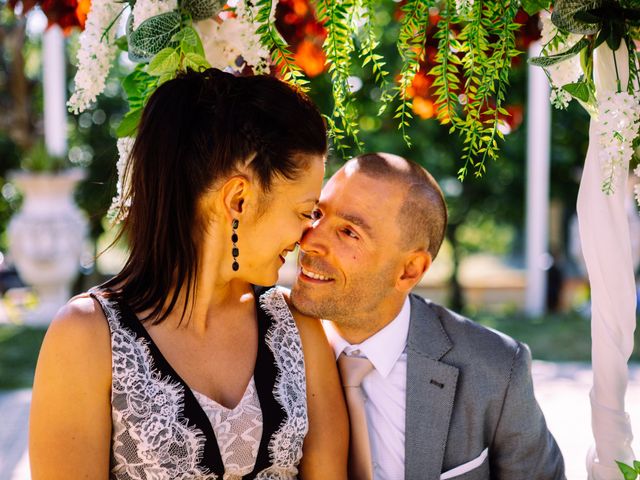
(80, 325)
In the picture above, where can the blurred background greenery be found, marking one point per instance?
(486, 215)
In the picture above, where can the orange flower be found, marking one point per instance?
(423, 107)
(311, 58)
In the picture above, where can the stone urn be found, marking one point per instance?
(47, 238)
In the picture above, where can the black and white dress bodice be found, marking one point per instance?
(164, 430)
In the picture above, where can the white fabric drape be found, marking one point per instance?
(604, 233)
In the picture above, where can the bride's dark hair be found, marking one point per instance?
(197, 129)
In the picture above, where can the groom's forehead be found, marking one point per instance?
(354, 190)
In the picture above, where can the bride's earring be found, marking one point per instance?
(235, 252)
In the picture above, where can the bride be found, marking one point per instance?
(188, 364)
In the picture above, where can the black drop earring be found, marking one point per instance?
(235, 252)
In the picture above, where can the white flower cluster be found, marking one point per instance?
(227, 41)
(616, 127)
(567, 71)
(145, 9)
(122, 201)
(464, 7)
(559, 98)
(96, 54)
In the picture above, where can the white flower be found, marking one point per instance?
(96, 54)
(122, 201)
(464, 7)
(567, 71)
(616, 127)
(226, 41)
(145, 9)
(560, 98)
(548, 30)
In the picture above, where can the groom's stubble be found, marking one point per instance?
(351, 303)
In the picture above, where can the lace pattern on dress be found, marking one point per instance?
(151, 439)
(238, 431)
(290, 391)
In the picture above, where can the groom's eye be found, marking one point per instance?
(350, 233)
(316, 214)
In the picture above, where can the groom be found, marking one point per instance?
(431, 395)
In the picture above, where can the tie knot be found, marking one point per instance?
(353, 369)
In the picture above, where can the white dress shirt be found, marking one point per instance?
(384, 389)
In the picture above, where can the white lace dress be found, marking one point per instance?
(238, 431)
(164, 430)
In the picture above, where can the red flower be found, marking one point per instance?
(68, 14)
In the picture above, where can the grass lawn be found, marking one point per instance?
(559, 337)
(19, 347)
(563, 337)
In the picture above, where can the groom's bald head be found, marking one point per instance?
(422, 217)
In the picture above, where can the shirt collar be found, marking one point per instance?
(383, 348)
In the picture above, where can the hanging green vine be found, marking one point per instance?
(471, 71)
(447, 68)
(486, 66)
(369, 56)
(280, 53)
(411, 46)
(338, 18)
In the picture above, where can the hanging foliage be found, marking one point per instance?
(475, 49)
(571, 33)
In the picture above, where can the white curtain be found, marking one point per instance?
(606, 245)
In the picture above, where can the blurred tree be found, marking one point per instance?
(484, 214)
(91, 135)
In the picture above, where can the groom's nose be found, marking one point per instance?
(313, 241)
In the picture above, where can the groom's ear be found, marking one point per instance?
(415, 266)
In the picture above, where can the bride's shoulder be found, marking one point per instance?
(310, 328)
(80, 326)
(75, 355)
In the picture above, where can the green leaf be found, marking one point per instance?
(636, 465)
(129, 123)
(189, 41)
(195, 62)
(579, 90)
(534, 6)
(152, 35)
(628, 472)
(166, 61)
(202, 9)
(560, 57)
(122, 43)
(165, 77)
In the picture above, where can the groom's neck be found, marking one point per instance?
(357, 329)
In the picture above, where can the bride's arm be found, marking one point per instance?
(70, 421)
(327, 443)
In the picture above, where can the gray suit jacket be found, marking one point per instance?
(469, 388)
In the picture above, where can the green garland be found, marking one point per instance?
(483, 50)
(476, 47)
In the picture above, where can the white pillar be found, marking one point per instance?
(537, 215)
(55, 91)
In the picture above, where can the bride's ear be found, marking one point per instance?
(415, 266)
(234, 194)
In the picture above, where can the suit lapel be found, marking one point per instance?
(431, 388)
